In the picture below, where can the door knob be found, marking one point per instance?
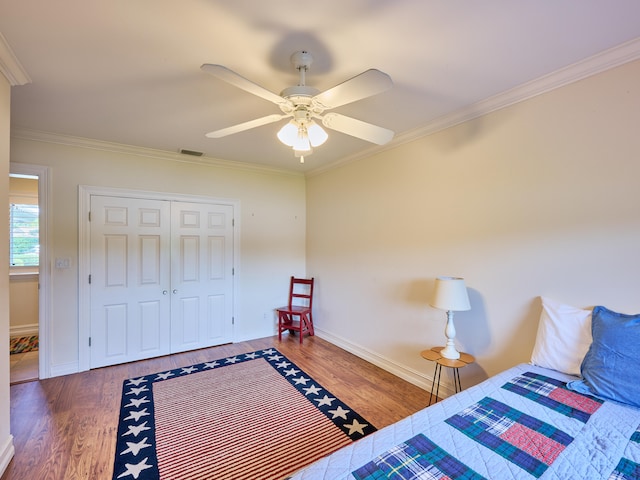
(175, 291)
(164, 292)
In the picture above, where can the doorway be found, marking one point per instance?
(29, 280)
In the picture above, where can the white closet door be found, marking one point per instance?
(201, 275)
(130, 279)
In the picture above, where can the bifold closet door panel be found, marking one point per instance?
(130, 279)
(202, 275)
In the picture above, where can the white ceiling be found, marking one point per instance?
(128, 71)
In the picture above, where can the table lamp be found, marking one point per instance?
(450, 294)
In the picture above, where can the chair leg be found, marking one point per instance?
(283, 320)
(311, 330)
(305, 326)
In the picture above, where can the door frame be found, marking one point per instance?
(44, 268)
(84, 252)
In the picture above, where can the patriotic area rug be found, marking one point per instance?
(254, 416)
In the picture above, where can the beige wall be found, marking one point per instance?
(6, 440)
(271, 225)
(23, 301)
(541, 198)
(23, 190)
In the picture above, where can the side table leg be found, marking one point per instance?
(456, 380)
(435, 384)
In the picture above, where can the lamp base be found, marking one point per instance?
(450, 352)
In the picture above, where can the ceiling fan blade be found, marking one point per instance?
(237, 80)
(368, 83)
(241, 127)
(357, 128)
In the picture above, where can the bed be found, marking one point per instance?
(527, 422)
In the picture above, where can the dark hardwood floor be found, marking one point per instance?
(64, 428)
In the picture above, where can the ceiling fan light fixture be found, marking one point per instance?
(317, 135)
(300, 154)
(288, 134)
(302, 143)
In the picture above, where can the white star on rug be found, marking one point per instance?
(135, 430)
(356, 427)
(275, 357)
(137, 415)
(134, 470)
(136, 402)
(339, 412)
(271, 351)
(213, 364)
(312, 390)
(251, 355)
(136, 381)
(301, 380)
(326, 400)
(137, 391)
(187, 370)
(136, 447)
(232, 360)
(164, 376)
(291, 371)
(283, 364)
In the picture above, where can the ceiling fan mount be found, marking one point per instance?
(304, 104)
(301, 59)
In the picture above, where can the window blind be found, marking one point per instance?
(24, 242)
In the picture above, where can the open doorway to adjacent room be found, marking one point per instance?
(28, 279)
(24, 267)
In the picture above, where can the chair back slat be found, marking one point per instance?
(301, 292)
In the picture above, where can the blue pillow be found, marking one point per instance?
(611, 368)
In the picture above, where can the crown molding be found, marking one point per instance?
(88, 143)
(10, 66)
(606, 60)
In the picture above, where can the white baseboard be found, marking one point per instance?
(23, 330)
(418, 379)
(6, 454)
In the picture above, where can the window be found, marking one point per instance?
(24, 244)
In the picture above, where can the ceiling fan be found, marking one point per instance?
(306, 104)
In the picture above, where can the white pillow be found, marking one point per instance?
(564, 336)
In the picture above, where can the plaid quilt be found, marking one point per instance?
(521, 424)
(552, 393)
(628, 469)
(528, 442)
(417, 458)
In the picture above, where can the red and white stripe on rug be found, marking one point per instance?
(243, 421)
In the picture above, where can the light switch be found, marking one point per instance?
(63, 262)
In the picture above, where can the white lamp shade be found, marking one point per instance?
(302, 142)
(288, 134)
(450, 294)
(317, 135)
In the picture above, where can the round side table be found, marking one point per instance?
(434, 355)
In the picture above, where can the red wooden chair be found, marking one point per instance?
(297, 316)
